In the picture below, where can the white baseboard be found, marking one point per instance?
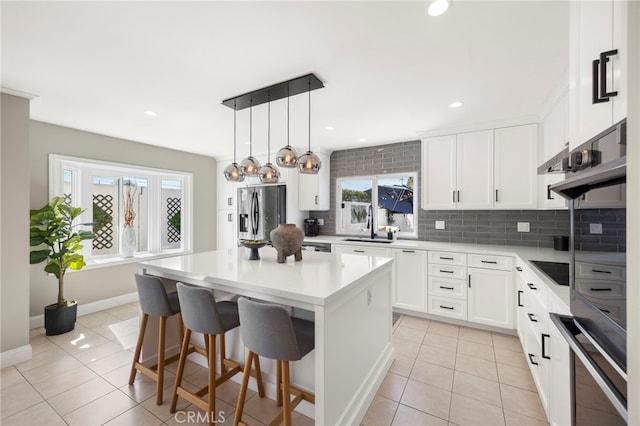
(90, 308)
(15, 356)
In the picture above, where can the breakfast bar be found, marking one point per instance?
(347, 296)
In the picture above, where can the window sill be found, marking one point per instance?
(138, 257)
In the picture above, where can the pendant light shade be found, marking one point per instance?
(232, 172)
(269, 173)
(309, 163)
(250, 166)
(287, 156)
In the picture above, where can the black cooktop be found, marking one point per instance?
(557, 271)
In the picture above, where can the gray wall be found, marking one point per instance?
(464, 226)
(96, 284)
(14, 220)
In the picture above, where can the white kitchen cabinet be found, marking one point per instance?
(516, 175)
(227, 194)
(313, 190)
(410, 279)
(490, 297)
(560, 385)
(555, 140)
(596, 27)
(227, 229)
(458, 171)
(447, 284)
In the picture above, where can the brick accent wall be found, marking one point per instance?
(473, 226)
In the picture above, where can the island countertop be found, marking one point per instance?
(318, 279)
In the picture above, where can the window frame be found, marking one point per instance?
(83, 170)
(374, 195)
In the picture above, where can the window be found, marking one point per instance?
(155, 203)
(389, 197)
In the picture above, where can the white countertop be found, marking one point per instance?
(318, 279)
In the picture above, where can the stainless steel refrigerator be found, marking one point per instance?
(260, 210)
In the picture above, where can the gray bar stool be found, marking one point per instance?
(202, 314)
(268, 330)
(154, 300)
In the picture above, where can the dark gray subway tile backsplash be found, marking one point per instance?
(473, 226)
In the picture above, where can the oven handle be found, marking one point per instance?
(613, 394)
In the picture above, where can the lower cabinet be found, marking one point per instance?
(448, 284)
(410, 279)
(490, 297)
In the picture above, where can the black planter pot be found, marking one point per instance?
(59, 320)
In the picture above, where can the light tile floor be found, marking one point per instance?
(442, 374)
(445, 374)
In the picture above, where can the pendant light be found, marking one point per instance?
(309, 163)
(250, 166)
(269, 173)
(287, 156)
(232, 172)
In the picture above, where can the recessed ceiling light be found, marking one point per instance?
(456, 104)
(438, 7)
(150, 113)
(363, 140)
(329, 127)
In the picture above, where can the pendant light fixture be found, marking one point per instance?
(287, 156)
(309, 163)
(232, 172)
(250, 166)
(269, 173)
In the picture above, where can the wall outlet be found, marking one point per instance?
(524, 227)
(439, 224)
(595, 228)
(321, 222)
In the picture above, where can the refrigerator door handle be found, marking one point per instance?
(255, 214)
(608, 388)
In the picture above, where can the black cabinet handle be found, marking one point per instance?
(229, 201)
(519, 301)
(454, 195)
(606, 311)
(446, 258)
(447, 307)
(358, 251)
(600, 289)
(599, 92)
(458, 192)
(532, 317)
(446, 272)
(531, 359)
(531, 286)
(230, 217)
(446, 288)
(469, 280)
(549, 196)
(496, 195)
(493, 262)
(599, 271)
(316, 200)
(544, 350)
(408, 251)
(519, 269)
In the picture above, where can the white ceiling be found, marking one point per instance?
(390, 70)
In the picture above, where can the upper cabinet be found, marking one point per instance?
(555, 139)
(515, 178)
(480, 170)
(597, 66)
(313, 190)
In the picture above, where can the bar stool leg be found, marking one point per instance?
(136, 356)
(212, 378)
(180, 371)
(161, 343)
(223, 355)
(286, 402)
(256, 362)
(278, 383)
(243, 388)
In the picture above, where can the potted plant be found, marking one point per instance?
(51, 228)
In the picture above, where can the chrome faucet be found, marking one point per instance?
(373, 234)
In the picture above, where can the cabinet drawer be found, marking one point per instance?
(367, 251)
(445, 306)
(600, 272)
(486, 261)
(447, 258)
(601, 289)
(446, 287)
(616, 309)
(448, 271)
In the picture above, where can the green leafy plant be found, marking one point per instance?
(52, 227)
(175, 221)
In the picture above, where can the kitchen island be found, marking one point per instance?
(347, 296)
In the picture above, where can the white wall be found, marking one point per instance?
(96, 284)
(14, 220)
(633, 215)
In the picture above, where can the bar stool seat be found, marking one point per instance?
(155, 301)
(201, 313)
(268, 330)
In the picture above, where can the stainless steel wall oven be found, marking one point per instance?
(596, 331)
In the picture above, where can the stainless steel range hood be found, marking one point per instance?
(612, 173)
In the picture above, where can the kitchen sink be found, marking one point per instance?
(369, 240)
